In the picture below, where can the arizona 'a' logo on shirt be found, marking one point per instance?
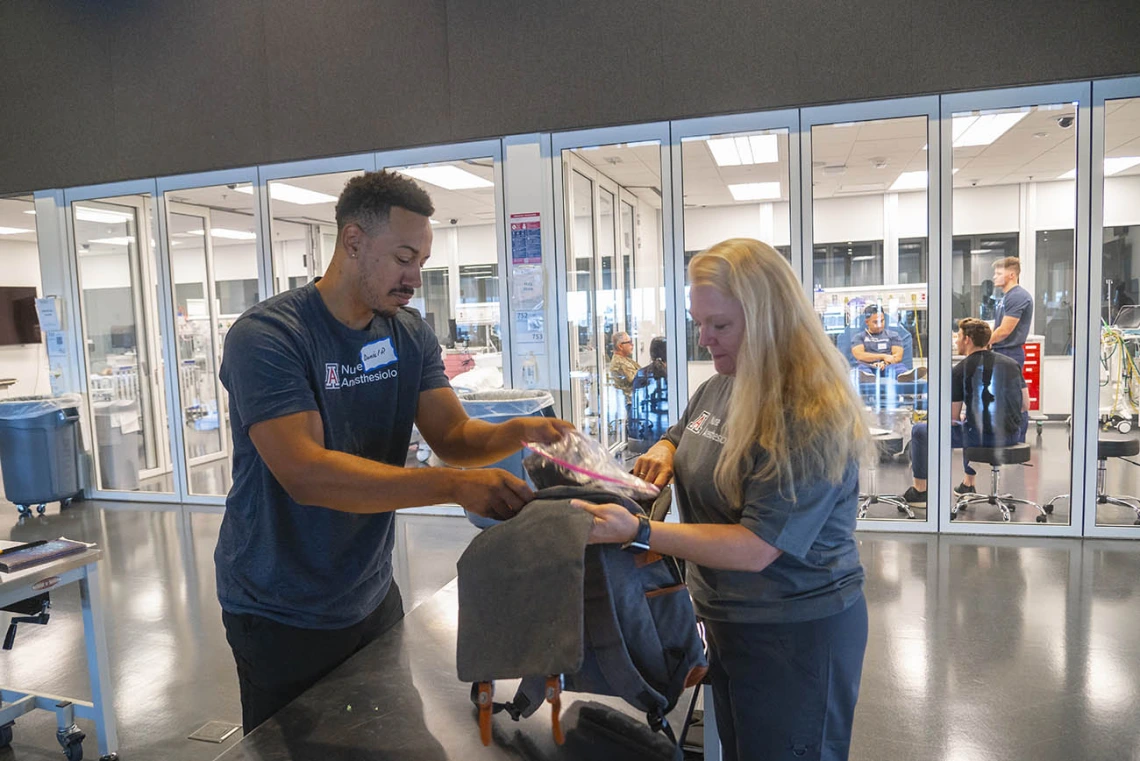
(699, 422)
(332, 375)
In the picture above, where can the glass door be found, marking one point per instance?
(122, 339)
(212, 225)
(611, 253)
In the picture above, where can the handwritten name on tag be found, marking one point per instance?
(378, 354)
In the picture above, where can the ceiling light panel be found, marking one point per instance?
(972, 131)
(87, 214)
(14, 230)
(910, 181)
(222, 232)
(447, 177)
(283, 191)
(745, 150)
(121, 240)
(1119, 164)
(755, 191)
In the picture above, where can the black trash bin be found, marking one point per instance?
(497, 407)
(39, 450)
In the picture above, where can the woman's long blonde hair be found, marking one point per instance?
(791, 394)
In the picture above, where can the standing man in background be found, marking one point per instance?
(1013, 316)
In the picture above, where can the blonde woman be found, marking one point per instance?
(765, 461)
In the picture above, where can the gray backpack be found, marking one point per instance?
(536, 603)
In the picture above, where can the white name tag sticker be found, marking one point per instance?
(378, 354)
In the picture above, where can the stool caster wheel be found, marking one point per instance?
(1048, 509)
(1041, 519)
(953, 516)
(1136, 522)
(6, 735)
(41, 509)
(109, 757)
(901, 509)
(72, 742)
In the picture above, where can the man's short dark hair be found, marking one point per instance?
(871, 311)
(978, 331)
(368, 199)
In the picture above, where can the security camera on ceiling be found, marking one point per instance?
(1065, 122)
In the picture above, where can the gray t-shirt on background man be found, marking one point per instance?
(818, 574)
(300, 565)
(1016, 303)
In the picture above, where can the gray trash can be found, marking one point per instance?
(39, 450)
(497, 407)
(119, 437)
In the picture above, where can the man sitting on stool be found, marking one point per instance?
(991, 389)
(878, 349)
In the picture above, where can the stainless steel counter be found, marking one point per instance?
(399, 698)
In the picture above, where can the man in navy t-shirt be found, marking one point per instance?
(1013, 314)
(878, 348)
(325, 383)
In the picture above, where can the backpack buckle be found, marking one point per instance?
(554, 686)
(484, 692)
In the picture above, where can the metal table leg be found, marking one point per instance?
(98, 661)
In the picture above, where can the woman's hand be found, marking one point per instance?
(656, 465)
(613, 524)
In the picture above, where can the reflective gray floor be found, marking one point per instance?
(980, 648)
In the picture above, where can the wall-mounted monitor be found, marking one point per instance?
(18, 321)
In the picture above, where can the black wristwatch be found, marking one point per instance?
(640, 541)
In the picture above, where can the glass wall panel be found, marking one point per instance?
(118, 287)
(212, 235)
(302, 213)
(870, 237)
(616, 298)
(460, 294)
(22, 355)
(735, 185)
(1014, 211)
(1119, 392)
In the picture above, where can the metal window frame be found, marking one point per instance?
(78, 328)
(1102, 92)
(477, 149)
(923, 106)
(1081, 94)
(687, 129)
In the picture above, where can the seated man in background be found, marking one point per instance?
(622, 367)
(649, 414)
(990, 389)
(878, 348)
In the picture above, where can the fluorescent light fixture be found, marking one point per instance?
(755, 191)
(1119, 164)
(980, 251)
(982, 130)
(862, 258)
(434, 221)
(1069, 175)
(447, 177)
(283, 191)
(910, 181)
(222, 232)
(87, 214)
(121, 240)
(31, 211)
(956, 170)
(14, 230)
(738, 151)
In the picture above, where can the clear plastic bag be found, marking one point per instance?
(582, 460)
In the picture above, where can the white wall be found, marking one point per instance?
(764, 221)
(20, 266)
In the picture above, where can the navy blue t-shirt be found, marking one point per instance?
(881, 342)
(301, 565)
(1017, 303)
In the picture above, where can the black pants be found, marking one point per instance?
(787, 691)
(276, 663)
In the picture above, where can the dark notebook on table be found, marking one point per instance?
(10, 562)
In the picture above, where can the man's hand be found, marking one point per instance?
(541, 430)
(491, 492)
(656, 465)
(613, 524)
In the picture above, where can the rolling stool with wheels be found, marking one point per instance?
(1106, 448)
(995, 457)
(872, 497)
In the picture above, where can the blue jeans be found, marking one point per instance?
(787, 691)
(919, 444)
